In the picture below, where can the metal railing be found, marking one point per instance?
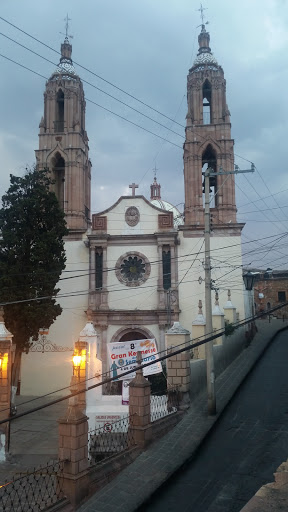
(109, 440)
(33, 491)
(165, 403)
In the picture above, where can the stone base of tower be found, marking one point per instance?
(196, 231)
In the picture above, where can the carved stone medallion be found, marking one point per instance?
(132, 216)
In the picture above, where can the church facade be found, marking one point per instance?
(136, 267)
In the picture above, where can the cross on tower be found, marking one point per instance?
(67, 19)
(202, 9)
(155, 169)
(133, 186)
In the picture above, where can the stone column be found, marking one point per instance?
(230, 310)
(139, 408)
(178, 366)
(73, 450)
(218, 321)
(5, 385)
(198, 331)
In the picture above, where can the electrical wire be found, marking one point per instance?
(142, 366)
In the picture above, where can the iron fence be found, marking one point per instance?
(165, 403)
(109, 440)
(33, 491)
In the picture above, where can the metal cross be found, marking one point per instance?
(67, 19)
(202, 9)
(133, 186)
(155, 169)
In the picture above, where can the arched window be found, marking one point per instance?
(207, 108)
(58, 174)
(209, 159)
(59, 118)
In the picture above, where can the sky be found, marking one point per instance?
(146, 49)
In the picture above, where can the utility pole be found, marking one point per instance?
(208, 303)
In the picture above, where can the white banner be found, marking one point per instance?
(122, 356)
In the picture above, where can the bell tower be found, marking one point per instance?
(63, 143)
(208, 143)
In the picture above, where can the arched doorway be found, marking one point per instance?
(132, 335)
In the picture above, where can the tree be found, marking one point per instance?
(32, 257)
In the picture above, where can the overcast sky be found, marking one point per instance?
(146, 49)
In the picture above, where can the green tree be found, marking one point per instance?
(32, 257)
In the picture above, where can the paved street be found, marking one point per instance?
(243, 450)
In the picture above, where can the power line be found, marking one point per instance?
(142, 366)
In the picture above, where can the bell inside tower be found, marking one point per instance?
(207, 110)
(58, 174)
(209, 159)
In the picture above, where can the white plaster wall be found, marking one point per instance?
(148, 223)
(43, 373)
(226, 261)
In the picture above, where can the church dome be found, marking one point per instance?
(177, 216)
(205, 57)
(65, 69)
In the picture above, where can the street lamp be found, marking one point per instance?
(249, 280)
(77, 359)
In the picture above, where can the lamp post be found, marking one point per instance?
(249, 279)
(77, 361)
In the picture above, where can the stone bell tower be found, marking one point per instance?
(208, 143)
(63, 143)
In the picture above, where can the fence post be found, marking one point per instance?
(139, 408)
(73, 450)
(178, 366)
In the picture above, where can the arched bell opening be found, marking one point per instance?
(209, 159)
(207, 107)
(59, 114)
(58, 176)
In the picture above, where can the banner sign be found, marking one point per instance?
(122, 356)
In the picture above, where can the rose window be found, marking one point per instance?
(132, 269)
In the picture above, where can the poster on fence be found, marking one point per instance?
(122, 357)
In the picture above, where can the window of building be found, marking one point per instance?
(166, 266)
(98, 268)
(281, 296)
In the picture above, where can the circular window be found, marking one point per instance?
(133, 269)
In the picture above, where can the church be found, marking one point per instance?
(137, 267)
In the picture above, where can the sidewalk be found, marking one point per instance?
(136, 483)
